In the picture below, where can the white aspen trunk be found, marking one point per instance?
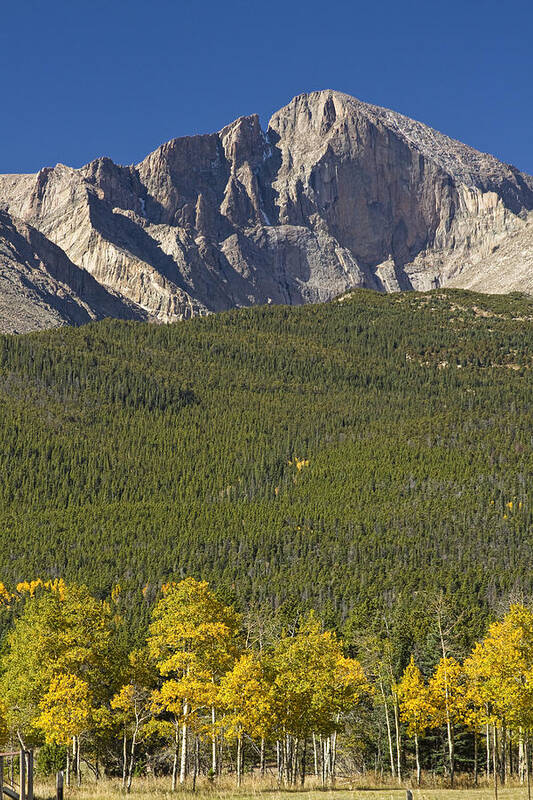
(475, 758)
(521, 765)
(262, 757)
(495, 760)
(294, 760)
(175, 768)
(220, 763)
(132, 759)
(239, 759)
(303, 760)
(451, 751)
(68, 768)
(398, 739)
(315, 756)
(333, 756)
(389, 733)
(184, 742)
(124, 759)
(503, 764)
(528, 770)
(418, 771)
(487, 746)
(78, 760)
(213, 741)
(196, 762)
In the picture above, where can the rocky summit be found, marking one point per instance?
(336, 194)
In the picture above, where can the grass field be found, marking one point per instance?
(146, 788)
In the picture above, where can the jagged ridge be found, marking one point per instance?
(335, 194)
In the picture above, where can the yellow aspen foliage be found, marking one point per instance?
(4, 729)
(193, 642)
(6, 597)
(446, 693)
(61, 630)
(414, 701)
(313, 682)
(246, 697)
(191, 627)
(65, 709)
(500, 670)
(299, 463)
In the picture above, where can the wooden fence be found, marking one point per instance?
(23, 790)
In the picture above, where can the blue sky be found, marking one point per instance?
(84, 78)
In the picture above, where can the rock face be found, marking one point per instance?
(41, 288)
(336, 194)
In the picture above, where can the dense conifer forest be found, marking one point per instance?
(357, 458)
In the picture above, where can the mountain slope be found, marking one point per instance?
(335, 194)
(341, 455)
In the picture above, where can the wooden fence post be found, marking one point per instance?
(30, 774)
(22, 776)
(59, 786)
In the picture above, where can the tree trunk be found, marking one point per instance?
(451, 749)
(184, 742)
(315, 755)
(124, 760)
(239, 760)
(294, 760)
(213, 741)
(521, 757)
(262, 757)
(196, 762)
(528, 771)
(278, 762)
(74, 762)
(175, 759)
(78, 760)
(475, 759)
(304, 756)
(389, 734)
(487, 745)
(333, 758)
(503, 761)
(398, 739)
(495, 760)
(68, 768)
(132, 759)
(417, 753)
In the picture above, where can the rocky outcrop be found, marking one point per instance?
(41, 288)
(335, 194)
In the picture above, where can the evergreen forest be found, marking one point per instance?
(362, 458)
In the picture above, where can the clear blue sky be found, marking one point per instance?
(84, 78)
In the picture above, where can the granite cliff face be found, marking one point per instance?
(41, 288)
(335, 194)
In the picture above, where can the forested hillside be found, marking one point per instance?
(353, 457)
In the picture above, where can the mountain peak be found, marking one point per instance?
(338, 193)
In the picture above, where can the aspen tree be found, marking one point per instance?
(415, 708)
(247, 699)
(66, 713)
(313, 685)
(500, 670)
(61, 630)
(193, 640)
(134, 703)
(446, 692)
